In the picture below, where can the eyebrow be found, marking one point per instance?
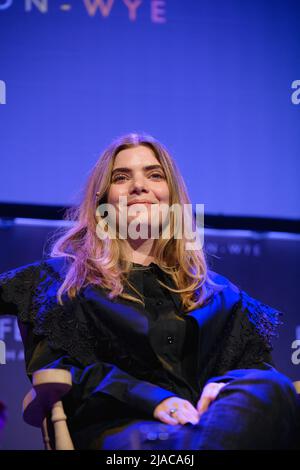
(128, 170)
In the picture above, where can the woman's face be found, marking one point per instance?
(138, 175)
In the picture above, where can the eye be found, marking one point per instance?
(156, 175)
(118, 178)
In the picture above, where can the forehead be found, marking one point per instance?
(135, 157)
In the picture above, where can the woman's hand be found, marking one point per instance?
(208, 395)
(185, 411)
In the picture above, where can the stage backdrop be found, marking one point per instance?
(265, 265)
(218, 81)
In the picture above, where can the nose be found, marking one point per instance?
(139, 185)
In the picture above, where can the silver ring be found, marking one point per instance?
(172, 411)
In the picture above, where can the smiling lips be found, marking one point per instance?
(139, 202)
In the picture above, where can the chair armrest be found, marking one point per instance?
(49, 386)
(297, 386)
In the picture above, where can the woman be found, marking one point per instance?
(163, 352)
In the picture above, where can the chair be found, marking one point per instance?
(43, 408)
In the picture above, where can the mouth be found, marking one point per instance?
(139, 202)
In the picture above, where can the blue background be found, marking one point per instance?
(213, 82)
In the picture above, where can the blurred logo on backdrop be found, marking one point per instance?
(2, 92)
(296, 348)
(156, 8)
(234, 248)
(2, 352)
(11, 346)
(295, 97)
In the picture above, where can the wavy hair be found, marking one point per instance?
(102, 262)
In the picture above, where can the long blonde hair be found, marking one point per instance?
(102, 262)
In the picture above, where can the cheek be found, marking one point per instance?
(163, 193)
(114, 194)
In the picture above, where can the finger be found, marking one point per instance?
(221, 385)
(209, 394)
(187, 418)
(187, 405)
(165, 417)
(203, 403)
(191, 411)
(193, 419)
(215, 390)
(184, 417)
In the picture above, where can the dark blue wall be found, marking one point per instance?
(265, 265)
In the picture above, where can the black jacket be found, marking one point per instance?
(105, 343)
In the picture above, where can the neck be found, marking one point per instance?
(139, 251)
